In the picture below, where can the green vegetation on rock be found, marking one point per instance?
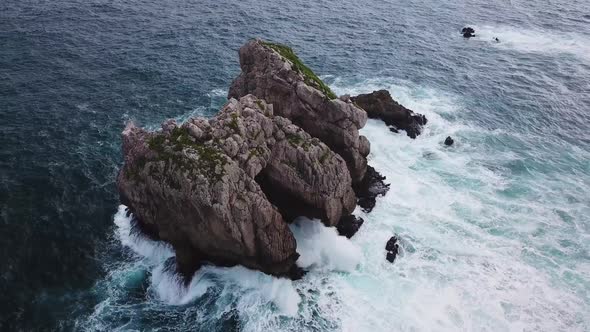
(296, 141)
(324, 156)
(260, 104)
(309, 76)
(169, 148)
(233, 124)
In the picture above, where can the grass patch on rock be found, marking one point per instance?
(169, 149)
(309, 76)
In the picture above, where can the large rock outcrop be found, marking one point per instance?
(380, 105)
(274, 73)
(205, 186)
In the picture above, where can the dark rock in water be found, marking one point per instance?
(380, 105)
(391, 256)
(372, 186)
(449, 141)
(349, 225)
(274, 73)
(392, 248)
(391, 244)
(468, 32)
(194, 186)
(296, 273)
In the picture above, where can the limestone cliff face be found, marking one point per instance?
(274, 73)
(216, 188)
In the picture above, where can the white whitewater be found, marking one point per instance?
(470, 256)
(535, 40)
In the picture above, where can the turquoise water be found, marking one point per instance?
(495, 230)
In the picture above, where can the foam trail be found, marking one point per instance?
(321, 247)
(253, 287)
(257, 288)
(171, 289)
(536, 41)
(143, 246)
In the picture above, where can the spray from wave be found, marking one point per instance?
(320, 248)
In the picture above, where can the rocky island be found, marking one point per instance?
(223, 190)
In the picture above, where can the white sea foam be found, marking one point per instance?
(536, 41)
(255, 288)
(217, 97)
(171, 289)
(467, 266)
(321, 247)
(143, 246)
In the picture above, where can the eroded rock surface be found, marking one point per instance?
(392, 248)
(349, 225)
(274, 73)
(372, 186)
(194, 185)
(380, 105)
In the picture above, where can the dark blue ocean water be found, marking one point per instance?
(496, 231)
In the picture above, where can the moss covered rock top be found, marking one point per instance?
(208, 158)
(296, 64)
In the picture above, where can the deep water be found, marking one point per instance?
(495, 231)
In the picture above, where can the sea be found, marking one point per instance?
(494, 231)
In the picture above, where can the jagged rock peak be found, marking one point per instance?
(274, 73)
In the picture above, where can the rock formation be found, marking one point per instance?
(468, 32)
(349, 225)
(392, 249)
(274, 73)
(380, 105)
(223, 190)
(195, 186)
(372, 186)
(449, 141)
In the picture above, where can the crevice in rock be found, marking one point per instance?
(289, 206)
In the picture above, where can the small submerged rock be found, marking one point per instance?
(449, 141)
(392, 248)
(468, 32)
